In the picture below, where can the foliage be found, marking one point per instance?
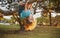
(43, 19)
(54, 3)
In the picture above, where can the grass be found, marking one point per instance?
(9, 27)
(38, 32)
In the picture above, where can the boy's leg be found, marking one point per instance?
(22, 25)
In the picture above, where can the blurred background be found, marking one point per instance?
(46, 12)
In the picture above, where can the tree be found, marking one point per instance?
(55, 6)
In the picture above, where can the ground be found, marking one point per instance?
(38, 32)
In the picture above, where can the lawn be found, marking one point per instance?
(9, 27)
(38, 32)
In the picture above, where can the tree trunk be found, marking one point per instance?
(50, 18)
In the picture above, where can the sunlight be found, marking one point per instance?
(7, 17)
